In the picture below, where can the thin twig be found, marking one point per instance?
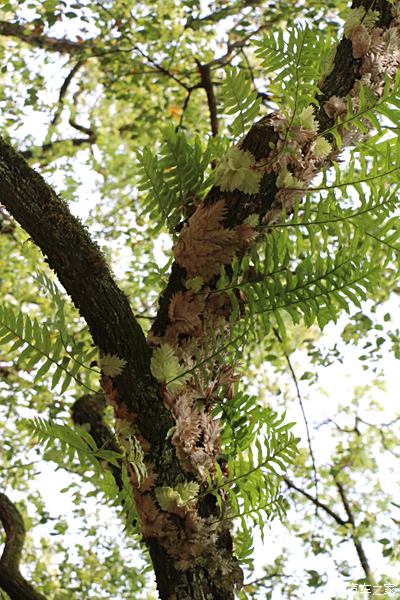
(72, 121)
(63, 91)
(76, 142)
(356, 541)
(162, 69)
(184, 107)
(317, 503)
(20, 466)
(232, 47)
(295, 381)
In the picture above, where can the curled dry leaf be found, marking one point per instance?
(204, 244)
(184, 312)
(245, 234)
(148, 482)
(361, 41)
(335, 107)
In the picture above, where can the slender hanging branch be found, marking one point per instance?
(315, 501)
(356, 540)
(299, 398)
(63, 90)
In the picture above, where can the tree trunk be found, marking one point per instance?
(81, 268)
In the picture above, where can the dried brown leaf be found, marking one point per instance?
(335, 107)
(245, 234)
(361, 41)
(184, 312)
(204, 244)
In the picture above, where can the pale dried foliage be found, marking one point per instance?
(335, 107)
(204, 244)
(184, 312)
(196, 433)
(383, 57)
(361, 41)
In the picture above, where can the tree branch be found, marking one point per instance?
(63, 91)
(356, 540)
(11, 580)
(207, 84)
(259, 140)
(315, 501)
(218, 15)
(163, 70)
(82, 270)
(89, 410)
(234, 48)
(49, 146)
(34, 37)
(184, 107)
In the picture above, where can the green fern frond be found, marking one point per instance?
(258, 446)
(40, 348)
(70, 441)
(62, 443)
(368, 110)
(294, 63)
(175, 175)
(239, 99)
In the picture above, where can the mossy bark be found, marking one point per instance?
(81, 268)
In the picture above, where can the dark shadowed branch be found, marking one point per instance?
(48, 147)
(63, 91)
(34, 37)
(317, 503)
(356, 540)
(207, 84)
(184, 107)
(11, 580)
(88, 411)
(163, 70)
